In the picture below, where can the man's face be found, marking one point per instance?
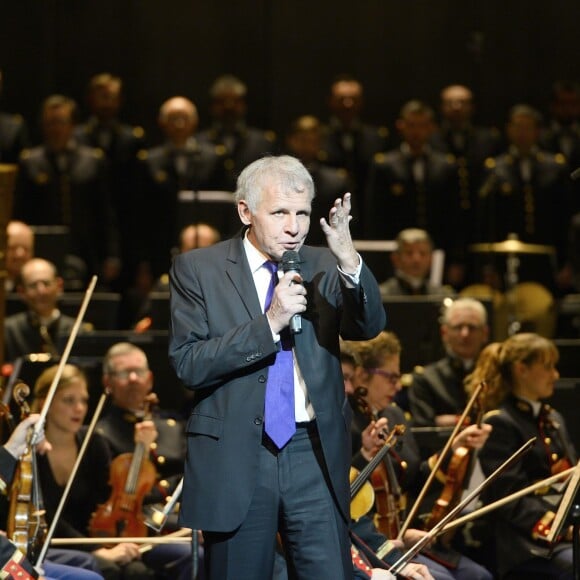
(40, 287)
(566, 106)
(305, 145)
(413, 259)
(464, 334)
(457, 104)
(105, 101)
(346, 100)
(523, 132)
(415, 129)
(229, 107)
(19, 248)
(280, 222)
(130, 381)
(58, 127)
(179, 123)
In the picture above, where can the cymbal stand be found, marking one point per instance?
(511, 281)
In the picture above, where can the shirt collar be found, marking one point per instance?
(255, 258)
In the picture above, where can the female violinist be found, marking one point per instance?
(378, 378)
(64, 428)
(521, 372)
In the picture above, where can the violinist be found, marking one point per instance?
(522, 372)
(129, 381)
(65, 431)
(59, 564)
(378, 380)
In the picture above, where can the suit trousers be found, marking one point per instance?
(292, 497)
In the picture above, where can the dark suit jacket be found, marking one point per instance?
(221, 346)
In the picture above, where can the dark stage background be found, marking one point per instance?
(288, 51)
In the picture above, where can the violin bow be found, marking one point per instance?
(39, 425)
(37, 430)
(508, 498)
(440, 459)
(418, 546)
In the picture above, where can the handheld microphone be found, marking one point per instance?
(291, 263)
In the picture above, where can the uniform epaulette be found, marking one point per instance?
(490, 163)
(492, 413)
(379, 157)
(142, 154)
(138, 132)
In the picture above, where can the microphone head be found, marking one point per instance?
(291, 261)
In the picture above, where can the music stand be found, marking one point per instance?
(569, 511)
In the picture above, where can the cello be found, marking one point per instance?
(131, 476)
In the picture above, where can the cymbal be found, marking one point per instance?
(512, 247)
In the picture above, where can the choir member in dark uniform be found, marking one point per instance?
(173, 174)
(470, 144)
(64, 183)
(239, 143)
(120, 142)
(304, 142)
(415, 186)
(562, 134)
(13, 135)
(348, 142)
(523, 370)
(526, 193)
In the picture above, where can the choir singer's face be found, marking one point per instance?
(280, 222)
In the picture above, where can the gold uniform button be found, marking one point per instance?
(161, 460)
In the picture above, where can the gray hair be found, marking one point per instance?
(119, 349)
(465, 304)
(284, 171)
(227, 83)
(412, 236)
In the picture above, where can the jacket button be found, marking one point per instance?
(261, 379)
(258, 421)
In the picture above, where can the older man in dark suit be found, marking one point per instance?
(244, 479)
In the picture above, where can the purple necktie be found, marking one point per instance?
(279, 406)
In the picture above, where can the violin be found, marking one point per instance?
(26, 522)
(457, 475)
(131, 477)
(383, 490)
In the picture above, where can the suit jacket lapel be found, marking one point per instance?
(238, 271)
